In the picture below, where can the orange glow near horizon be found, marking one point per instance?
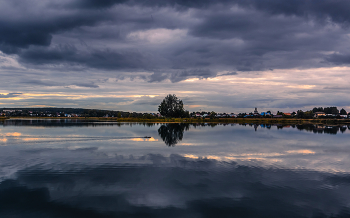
(13, 134)
(144, 139)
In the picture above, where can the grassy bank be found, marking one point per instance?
(229, 120)
(200, 120)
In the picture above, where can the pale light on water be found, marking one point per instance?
(68, 168)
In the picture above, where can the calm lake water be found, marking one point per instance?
(70, 168)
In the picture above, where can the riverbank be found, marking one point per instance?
(200, 120)
(235, 120)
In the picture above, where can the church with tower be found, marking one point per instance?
(256, 111)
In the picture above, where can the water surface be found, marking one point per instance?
(70, 168)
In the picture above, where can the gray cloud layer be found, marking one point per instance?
(10, 95)
(216, 36)
(274, 55)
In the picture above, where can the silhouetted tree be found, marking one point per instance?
(319, 109)
(343, 112)
(171, 106)
(331, 110)
(300, 114)
(172, 133)
(212, 115)
(305, 115)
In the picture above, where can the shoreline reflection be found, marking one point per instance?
(174, 129)
(173, 133)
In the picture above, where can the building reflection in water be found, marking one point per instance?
(319, 128)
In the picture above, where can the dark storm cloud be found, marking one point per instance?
(199, 73)
(95, 4)
(256, 34)
(337, 11)
(86, 85)
(217, 36)
(16, 35)
(39, 82)
(178, 75)
(102, 59)
(10, 95)
(229, 74)
(338, 59)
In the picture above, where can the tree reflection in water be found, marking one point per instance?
(172, 133)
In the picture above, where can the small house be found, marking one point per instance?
(318, 114)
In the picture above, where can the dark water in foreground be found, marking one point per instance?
(66, 168)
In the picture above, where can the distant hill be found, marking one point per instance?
(50, 111)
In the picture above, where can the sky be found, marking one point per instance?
(220, 55)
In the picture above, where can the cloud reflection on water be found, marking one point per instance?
(276, 145)
(88, 170)
(173, 186)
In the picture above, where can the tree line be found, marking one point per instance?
(171, 106)
(79, 112)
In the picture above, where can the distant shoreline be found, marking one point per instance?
(198, 120)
